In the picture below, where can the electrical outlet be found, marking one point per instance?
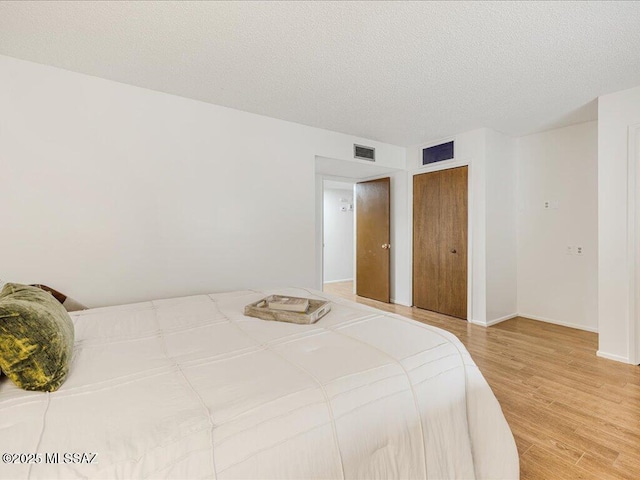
(579, 250)
(547, 204)
(569, 250)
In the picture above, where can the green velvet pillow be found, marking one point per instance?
(36, 338)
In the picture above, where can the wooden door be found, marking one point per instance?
(440, 241)
(372, 239)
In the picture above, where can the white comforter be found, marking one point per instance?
(191, 388)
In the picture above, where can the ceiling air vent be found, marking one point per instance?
(365, 153)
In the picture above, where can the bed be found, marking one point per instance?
(191, 388)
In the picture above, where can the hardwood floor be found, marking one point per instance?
(573, 415)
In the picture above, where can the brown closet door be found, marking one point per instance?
(372, 239)
(440, 241)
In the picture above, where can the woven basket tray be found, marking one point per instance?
(260, 309)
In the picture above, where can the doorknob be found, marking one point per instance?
(386, 245)
(453, 250)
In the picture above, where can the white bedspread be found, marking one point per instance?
(191, 388)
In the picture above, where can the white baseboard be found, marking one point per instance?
(476, 322)
(501, 319)
(393, 300)
(338, 281)
(538, 318)
(494, 321)
(558, 322)
(611, 356)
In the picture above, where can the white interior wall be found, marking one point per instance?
(501, 229)
(472, 145)
(113, 193)
(560, 167)
(618, 113)
(338, 235)
(634, 356)
(400, 254)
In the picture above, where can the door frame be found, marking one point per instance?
(319, 233)
(447, 165)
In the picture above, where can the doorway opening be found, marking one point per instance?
(339, 174)
(338, 232)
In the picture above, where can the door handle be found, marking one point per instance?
(453, 250)
(386, 245)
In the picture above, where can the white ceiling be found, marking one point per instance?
(398, 72)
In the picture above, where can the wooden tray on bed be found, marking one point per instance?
(260, 309)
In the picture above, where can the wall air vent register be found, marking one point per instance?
(437, 153)
(364, 153)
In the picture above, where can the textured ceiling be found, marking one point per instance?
(398, 72)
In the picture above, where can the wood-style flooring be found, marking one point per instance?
(573, 415)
